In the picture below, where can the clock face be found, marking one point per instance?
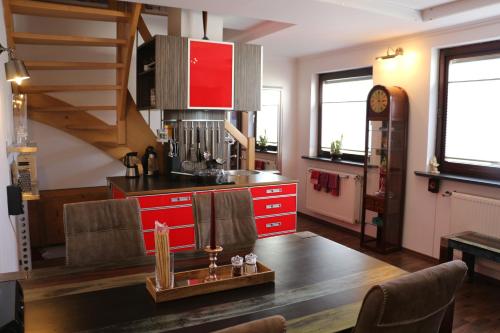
(378, 100)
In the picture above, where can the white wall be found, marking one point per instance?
(426, 214)
(281, 72)
(8, 246)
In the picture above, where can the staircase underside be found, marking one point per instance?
(91, 129)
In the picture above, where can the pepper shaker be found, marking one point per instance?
(237, 263)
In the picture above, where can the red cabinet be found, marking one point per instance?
(275, 208)
(165, 200)
(276, 225)
(273, 190)
(173, 209)
(278, 205)
(210, 75)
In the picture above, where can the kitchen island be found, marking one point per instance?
(168, 199)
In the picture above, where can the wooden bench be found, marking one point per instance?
(472, 245)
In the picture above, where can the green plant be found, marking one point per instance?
(336, 146)
(263, 140)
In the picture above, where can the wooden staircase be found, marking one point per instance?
(130, 132)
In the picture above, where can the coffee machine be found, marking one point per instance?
(150, 162)
(131, 162)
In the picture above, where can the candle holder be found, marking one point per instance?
(212, 268)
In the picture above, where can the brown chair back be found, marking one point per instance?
(274, 324)
(102, 231)
(413, 303)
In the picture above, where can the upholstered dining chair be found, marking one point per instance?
(274, 324)
(414, 303)
(102, 231)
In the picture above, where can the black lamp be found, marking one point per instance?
(15, 70)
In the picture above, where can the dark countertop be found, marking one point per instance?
(184, 183)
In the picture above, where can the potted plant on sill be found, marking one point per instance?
(263, 142)
(335, 148)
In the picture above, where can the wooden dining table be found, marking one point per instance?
(319, 286)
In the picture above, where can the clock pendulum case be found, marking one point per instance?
(384, 169)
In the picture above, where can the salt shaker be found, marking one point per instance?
(250, 263)
(237, 263)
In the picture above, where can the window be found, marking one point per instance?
(342, 111)
(267, 119)
(468, 136)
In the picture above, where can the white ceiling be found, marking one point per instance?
(418, 4)
(321, 25)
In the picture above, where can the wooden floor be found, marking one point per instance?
(478, 303)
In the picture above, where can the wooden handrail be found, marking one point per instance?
(238, 136)
(143, 30)
(247, 142)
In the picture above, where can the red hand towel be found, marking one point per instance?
(334, 184)
(314, 176)
(322, 181)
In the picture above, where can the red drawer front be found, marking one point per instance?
(178, 237)
(174, 216)
(268, 191)
(274, 206)
(116, 193)
(164, 200)
(269, 225)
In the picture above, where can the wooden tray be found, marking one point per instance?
(192, 283)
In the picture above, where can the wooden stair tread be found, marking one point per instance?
(34, 65)
(45, 39)
(109, 144)
(74, 108)
(39, 8)
(62, 88)
(91, 128)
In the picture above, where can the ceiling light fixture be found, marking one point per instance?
(15, 70)
(391, 53)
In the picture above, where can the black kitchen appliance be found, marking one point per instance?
(11, 307)
(131, 162)
(150, 162)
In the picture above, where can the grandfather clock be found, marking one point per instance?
(384, 169)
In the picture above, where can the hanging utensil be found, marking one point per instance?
(206, 153)
(192, 150)
(219, 160)
(214, 150)
(198, 144)
(186, 141)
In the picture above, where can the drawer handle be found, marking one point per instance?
(179, 199)
(273, 206)
(274, 190)
(272, 225)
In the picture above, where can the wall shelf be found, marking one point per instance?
(458, 178)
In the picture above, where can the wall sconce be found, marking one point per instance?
(391, 53)
(15, 70)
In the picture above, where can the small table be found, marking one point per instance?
(319, 287)
(472, 245)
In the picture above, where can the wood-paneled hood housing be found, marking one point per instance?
(169, 77)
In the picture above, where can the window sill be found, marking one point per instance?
(458, 178)
(329, 160)
(270, 152)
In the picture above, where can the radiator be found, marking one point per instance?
(474, 213)
(346, 207)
